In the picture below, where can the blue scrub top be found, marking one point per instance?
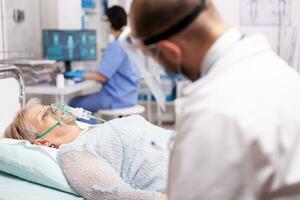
(123, 78)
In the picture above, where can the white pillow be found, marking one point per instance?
(52, 152)
(32, 163)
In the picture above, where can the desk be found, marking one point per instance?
(32, 63)
(61, 93)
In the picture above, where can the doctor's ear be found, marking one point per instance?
(42, 142)
(170, 50)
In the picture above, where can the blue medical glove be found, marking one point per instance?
(76, 76)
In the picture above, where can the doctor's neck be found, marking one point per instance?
(206, 30)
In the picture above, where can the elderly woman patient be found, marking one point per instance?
(110, 164)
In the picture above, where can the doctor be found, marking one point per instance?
(119, 78)
(239, 125)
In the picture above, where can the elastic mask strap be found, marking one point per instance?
(181, 25)
(50, 129)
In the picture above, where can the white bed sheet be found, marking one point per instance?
(13, 188)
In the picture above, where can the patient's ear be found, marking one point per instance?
(42, 142)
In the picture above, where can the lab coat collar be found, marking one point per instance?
(219, 48)
(227, 58)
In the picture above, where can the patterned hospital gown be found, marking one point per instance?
(111, 162)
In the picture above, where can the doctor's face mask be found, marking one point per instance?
(172, 66)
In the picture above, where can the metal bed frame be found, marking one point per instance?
(7, 71)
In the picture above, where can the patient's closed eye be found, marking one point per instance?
(44, 115)
(53, 110)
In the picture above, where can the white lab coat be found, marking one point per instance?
(239, 126)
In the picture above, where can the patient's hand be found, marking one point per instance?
(163, 197)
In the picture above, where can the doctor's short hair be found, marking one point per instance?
(20, 128)
(150, 17)
(117, 17)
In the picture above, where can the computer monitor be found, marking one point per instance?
(88, 4)
(68, 46)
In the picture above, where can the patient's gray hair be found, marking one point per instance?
(20, 128)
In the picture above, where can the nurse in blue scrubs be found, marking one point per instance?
(118, 75)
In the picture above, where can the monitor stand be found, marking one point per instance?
(68, 66)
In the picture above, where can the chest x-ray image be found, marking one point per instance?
(264, 12)
(290, 37)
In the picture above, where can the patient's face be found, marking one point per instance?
(37, 117)
(42, 118)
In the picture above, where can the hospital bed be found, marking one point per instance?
(31, 172)
(12, 187)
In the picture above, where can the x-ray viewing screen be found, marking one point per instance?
(69, 45)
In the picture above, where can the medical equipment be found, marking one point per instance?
(50, 129)
(50, 112)
(14, 72)
(69, 46)
(131, 45)
(143, 62)
(13, 97)
(78, 113)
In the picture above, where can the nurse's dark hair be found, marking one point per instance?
(117, 17)
(151, 17)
